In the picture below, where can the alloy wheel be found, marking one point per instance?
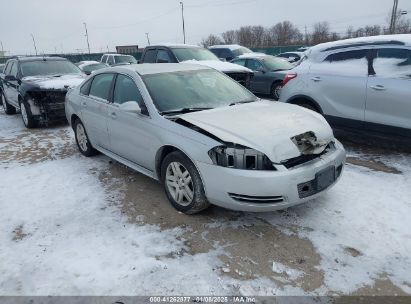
(179, 183)
(81, 137)
(24, 114)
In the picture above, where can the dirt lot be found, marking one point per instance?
(93, 226)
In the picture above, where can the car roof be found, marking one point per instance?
(174, 45)
(232, 47)
(149, 68)
(116, 54)
(382, 40)
(39, 58)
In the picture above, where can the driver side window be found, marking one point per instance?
(254, 65)
(126, 90)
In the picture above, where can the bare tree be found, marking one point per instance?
(284, 33)
(321, 32)
(211, 40)
(229, 37)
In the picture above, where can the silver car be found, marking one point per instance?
(360, 83)
(205, 137)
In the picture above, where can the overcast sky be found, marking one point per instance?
(58, 24)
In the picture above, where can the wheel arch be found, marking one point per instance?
(298, 99)
(73, 118)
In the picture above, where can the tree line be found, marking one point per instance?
(286, 33)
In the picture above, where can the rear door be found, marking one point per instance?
(13, 86)
(339, 85)
(131, 134)
(389, 90)
(94, 107)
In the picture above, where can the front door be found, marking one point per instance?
(131, 134)
(258, 81)
(389, 89)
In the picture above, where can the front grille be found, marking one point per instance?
(256, 199)
(242, 78)
(302, 159)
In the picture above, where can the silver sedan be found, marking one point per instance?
(205, 137)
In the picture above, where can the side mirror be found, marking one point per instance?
(261, 69)
(223, 59)
(10, 78)
(229, 58)
(131, 107)
(87, 73)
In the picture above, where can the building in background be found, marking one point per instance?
(127, 49)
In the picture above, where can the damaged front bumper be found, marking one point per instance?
(261, 191)
(47, 106)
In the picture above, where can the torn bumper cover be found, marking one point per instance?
(47, 105)
(261, 191)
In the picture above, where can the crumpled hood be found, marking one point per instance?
(266, 126)
(55, 83)
(220, 65)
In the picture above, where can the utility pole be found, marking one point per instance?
(148, 39)
(2, 49)
(88, 44)
(182, 17)
(394, 17)
(34, 42)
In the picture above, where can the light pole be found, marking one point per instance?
(34, 42)
(394, 17)
(182, 17)
(88, 44)
(148, 39)
(2, 49)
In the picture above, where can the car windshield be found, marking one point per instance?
(93, 67)
(276, 64)
(242, 51)
(125, 59)
(198, 54)
(48, 67)
(199, 89)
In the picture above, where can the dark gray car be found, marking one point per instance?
(269, 73)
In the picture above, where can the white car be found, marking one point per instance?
(117, 59)
(205, 137)
(362, 83)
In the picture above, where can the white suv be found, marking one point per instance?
(362, 83)
(117, 59)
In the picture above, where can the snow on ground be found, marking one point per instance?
(361, 227)
(61, 231)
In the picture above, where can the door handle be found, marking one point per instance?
(316, 79)
(113, 115)
(378, 87)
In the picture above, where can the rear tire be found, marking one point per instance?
(276, 90)
(28, 119)
(8, 109)
(182, 184)
(83, 143)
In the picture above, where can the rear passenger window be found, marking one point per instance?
(150, 56)
(104, 59)
(395, 63)
(101, 86)
(345, 56)
(85, 88)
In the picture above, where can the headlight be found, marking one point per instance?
(240, 157)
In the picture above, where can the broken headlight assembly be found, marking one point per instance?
(240, 157)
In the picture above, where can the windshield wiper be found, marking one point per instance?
(184, 110)
(241, 102)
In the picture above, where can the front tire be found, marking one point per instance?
(27, 117)
(182, 184)
(8, 109)
(83, 143)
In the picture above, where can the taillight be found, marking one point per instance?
(289, 77)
